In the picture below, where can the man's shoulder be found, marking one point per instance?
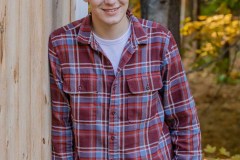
(69, 29)
(153, 26)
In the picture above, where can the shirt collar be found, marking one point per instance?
(85, 35)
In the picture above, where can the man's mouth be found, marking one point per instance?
(111, 10)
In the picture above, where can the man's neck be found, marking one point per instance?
(111, 31)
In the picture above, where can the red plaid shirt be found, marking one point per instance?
(145, 112)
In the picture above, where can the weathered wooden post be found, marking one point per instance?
(25, 114)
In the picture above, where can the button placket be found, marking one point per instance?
(113, 117)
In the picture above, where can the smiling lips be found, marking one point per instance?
(111, 10)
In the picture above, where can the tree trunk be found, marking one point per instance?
(174, 19)
(144, 9)
(166, 12)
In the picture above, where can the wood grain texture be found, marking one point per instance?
(25, 115)
(24, 95)
(3, 82)
(12, 79)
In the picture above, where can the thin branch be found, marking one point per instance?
(200, 68)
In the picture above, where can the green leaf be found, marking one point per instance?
(210, 149)
(222, 78)
(224, 152)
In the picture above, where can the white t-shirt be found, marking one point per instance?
(113, 48)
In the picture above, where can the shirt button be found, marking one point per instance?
(147, 87)
(79, 88)
(114, 87)
(112, 138)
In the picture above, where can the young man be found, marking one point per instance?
(119, 91)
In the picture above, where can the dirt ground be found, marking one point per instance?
(219, 111)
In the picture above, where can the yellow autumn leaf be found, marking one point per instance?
(188, 19)
(214, 35)
(228, 18)
(235, 23)
(202, 18)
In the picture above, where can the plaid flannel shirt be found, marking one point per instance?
(144, 112)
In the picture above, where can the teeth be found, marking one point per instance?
(110, 10)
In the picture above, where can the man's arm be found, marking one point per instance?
(179, 106)
(62, 138)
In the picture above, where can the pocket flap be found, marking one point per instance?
(74, 85)
(145, 84)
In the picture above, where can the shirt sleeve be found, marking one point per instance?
(180, 110)
(62, 136)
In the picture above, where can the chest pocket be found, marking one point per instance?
(82, 93)
(75, 85)
(143, 102)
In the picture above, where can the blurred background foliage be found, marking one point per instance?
(210, 49)
(216, 33)
(135, 6)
